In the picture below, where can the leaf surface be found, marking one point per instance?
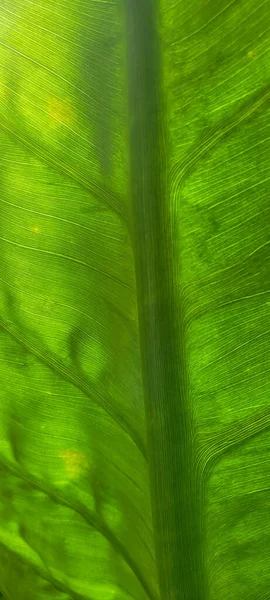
(134, 300)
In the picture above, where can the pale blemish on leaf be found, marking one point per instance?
(60, 112)
(36, 229)
(48, 304)
(251, 54)
(4, 91)
(75, 463)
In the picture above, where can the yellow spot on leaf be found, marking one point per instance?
(60, 112)
(48, 304)
(251, 54)
(75, 463)
(4, 91)
(36, 229)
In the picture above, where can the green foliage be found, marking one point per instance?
(134, 300)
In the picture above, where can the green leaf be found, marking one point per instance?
(134, 300)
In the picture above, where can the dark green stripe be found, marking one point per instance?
(176, 499)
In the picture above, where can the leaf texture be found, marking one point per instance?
(134, 300)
